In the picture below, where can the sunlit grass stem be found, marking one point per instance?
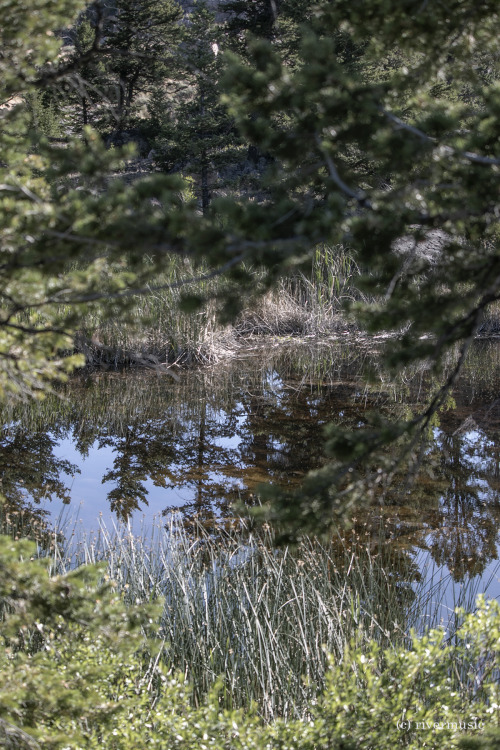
(264, 619)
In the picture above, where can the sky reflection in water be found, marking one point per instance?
(134, 445)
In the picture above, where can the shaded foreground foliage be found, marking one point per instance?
(77, 671)
(377, 131)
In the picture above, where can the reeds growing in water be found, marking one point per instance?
(304, 304)
(261, 619)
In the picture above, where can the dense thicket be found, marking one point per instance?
(368, 125)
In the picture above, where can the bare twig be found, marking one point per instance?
(358, 195)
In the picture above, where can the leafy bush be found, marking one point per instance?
(75, 672)
(68, 649)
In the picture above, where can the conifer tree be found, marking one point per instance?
(68, 239)
(385, 151)
(86, 84)
(196, 133)
(136, 43)
(257, 18)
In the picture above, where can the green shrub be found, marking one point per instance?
(77, 670)
(69, 648)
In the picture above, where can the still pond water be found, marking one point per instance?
(133, 446)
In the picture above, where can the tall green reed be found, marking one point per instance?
(261, 618)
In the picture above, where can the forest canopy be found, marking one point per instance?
(370, 124)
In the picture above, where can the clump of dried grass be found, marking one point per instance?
(277, 313)
(159, 335)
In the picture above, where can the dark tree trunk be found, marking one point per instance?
(205, 192)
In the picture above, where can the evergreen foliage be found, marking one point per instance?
(139, 39)
(122, 48)
(381, 133)
(380, 130)
(194, 131)
(384, 137)
(68, 649)
(69, 238)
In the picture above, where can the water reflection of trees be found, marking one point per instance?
(220, 434)
(29, 474)
(469, 502)
(452, 508)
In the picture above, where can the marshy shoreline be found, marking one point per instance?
(308, 306)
